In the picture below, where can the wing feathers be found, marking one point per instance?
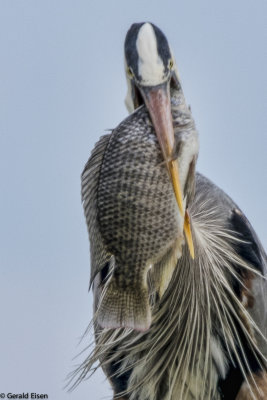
(90, 176)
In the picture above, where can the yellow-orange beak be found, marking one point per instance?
(157, 100)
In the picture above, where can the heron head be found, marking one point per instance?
(149, 63)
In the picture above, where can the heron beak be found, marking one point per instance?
(158, 103)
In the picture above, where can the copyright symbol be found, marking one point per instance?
(2, 396)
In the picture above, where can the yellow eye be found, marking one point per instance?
(129, 72)
(171, 64)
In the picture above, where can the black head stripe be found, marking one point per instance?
(130, 49)
(163, 46)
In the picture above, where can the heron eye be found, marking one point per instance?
(129, 72)
(171, 64)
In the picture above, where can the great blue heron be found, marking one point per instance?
(198, 330)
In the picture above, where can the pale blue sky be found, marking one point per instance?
(61, 85)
